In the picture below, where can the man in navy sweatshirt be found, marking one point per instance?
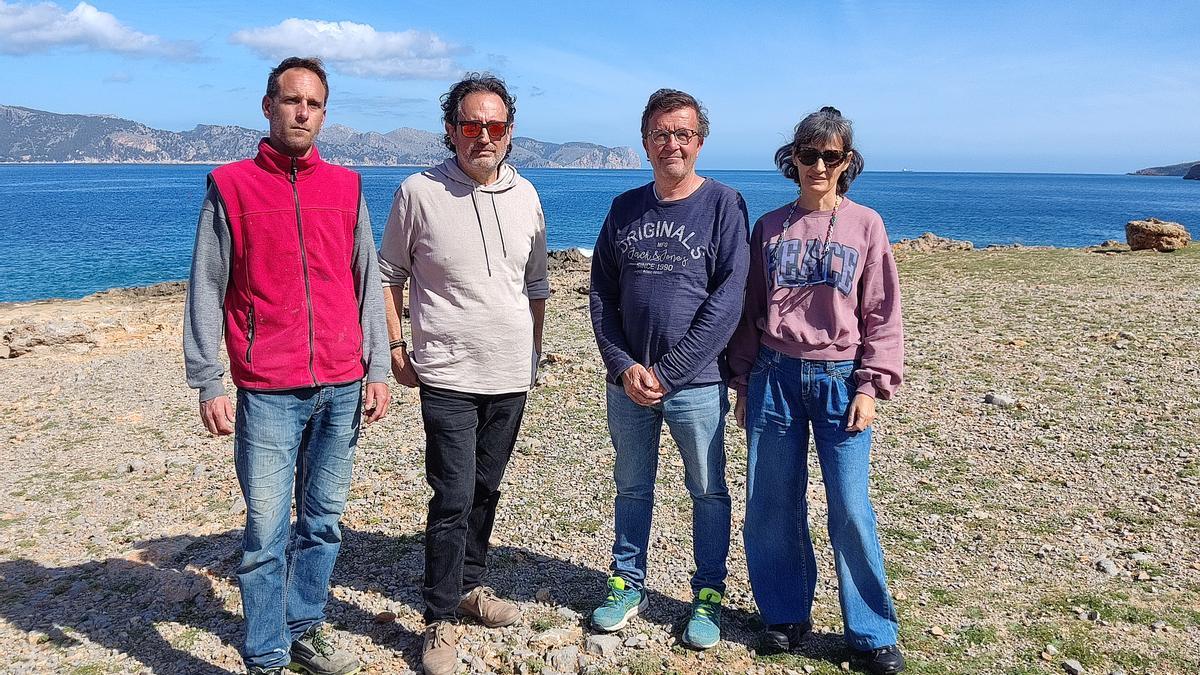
(668, 275)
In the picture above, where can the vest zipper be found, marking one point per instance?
(312, 338)
(250, 336)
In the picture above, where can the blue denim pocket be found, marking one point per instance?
(762, 361)
(835, 381)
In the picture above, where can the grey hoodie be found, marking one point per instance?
(476, 256)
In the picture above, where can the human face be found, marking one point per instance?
(480, 157)
(819, 179)
(297, 111)
(673, 161)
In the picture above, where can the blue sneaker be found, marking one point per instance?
(704, 628)
(621, 605)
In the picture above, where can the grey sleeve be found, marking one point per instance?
(204, 308)
(395, 260)
(370, 298)
(537, 283)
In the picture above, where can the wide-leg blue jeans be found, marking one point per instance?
(786, 398)
(299, 442)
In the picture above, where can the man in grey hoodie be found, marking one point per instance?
(469, 237)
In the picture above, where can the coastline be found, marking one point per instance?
(941, 244)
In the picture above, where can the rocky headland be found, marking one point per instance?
(28, 135)
(1037, 481)
(1185, 169)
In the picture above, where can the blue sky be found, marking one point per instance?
(1103, 87)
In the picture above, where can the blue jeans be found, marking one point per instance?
(786, 396)
(696, 419)
(299, 441)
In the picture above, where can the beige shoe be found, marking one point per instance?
(439, 655)
(482, 605)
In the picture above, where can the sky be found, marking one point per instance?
(1022, 86)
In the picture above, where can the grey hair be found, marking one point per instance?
(669, 100)
(824, 126)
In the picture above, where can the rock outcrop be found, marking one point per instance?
(28, 135)
(570, 259)
(1169, 170)
(930, 242)
(1193, 173)
(1155, 234)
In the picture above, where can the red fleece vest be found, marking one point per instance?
(291, 308)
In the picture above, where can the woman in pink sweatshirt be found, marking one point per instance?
(819, 341)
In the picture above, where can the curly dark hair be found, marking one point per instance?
(307, 63)
(824, 126)
(473, 83)
(669, 100)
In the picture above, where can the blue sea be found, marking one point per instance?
(70, 230)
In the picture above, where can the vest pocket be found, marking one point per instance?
(250, 335)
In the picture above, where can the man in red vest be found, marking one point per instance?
(285, 268)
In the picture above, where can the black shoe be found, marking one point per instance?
(784, 637)
(255, 670)
(884, 660)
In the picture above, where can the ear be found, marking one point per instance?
(266, 106)
(450, 130)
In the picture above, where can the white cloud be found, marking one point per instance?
(28, 28)
(356, 48)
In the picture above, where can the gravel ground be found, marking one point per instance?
(1036, 483)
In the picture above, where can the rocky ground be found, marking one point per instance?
(1036, 482)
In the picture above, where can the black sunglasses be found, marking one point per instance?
(809, 156)
(474, 128)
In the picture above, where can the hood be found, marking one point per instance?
(506, 180)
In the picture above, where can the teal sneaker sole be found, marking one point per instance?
(632, 612)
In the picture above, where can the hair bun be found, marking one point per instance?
(831, 110)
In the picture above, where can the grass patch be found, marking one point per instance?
(1113, 607)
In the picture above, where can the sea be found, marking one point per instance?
(68, 230)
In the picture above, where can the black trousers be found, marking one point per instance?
(468, 440)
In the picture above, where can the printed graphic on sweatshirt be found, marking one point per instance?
(660, 247)
(795, 263)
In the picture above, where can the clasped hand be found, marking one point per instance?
(642, 385)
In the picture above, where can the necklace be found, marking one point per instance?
(787, 222)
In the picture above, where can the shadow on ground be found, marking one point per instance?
(117, 602)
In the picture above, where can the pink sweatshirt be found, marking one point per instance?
(847, 308)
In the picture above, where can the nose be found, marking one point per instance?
(302, 111)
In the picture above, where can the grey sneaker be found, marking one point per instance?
(312, 654)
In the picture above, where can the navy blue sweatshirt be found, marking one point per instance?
(667, 283)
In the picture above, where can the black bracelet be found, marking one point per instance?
(397, 343)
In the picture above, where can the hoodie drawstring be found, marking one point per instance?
(503, 248)
(486, 258)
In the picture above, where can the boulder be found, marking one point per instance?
(1193, 173)
(930, 242)
(570, 259)
(1155, 234)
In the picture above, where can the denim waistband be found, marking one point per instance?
(777, 358)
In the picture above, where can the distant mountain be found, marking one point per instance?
(1172, 170)
(28, 135)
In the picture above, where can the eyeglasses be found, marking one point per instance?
(661, 136)
(474, 128)
(809, 156)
